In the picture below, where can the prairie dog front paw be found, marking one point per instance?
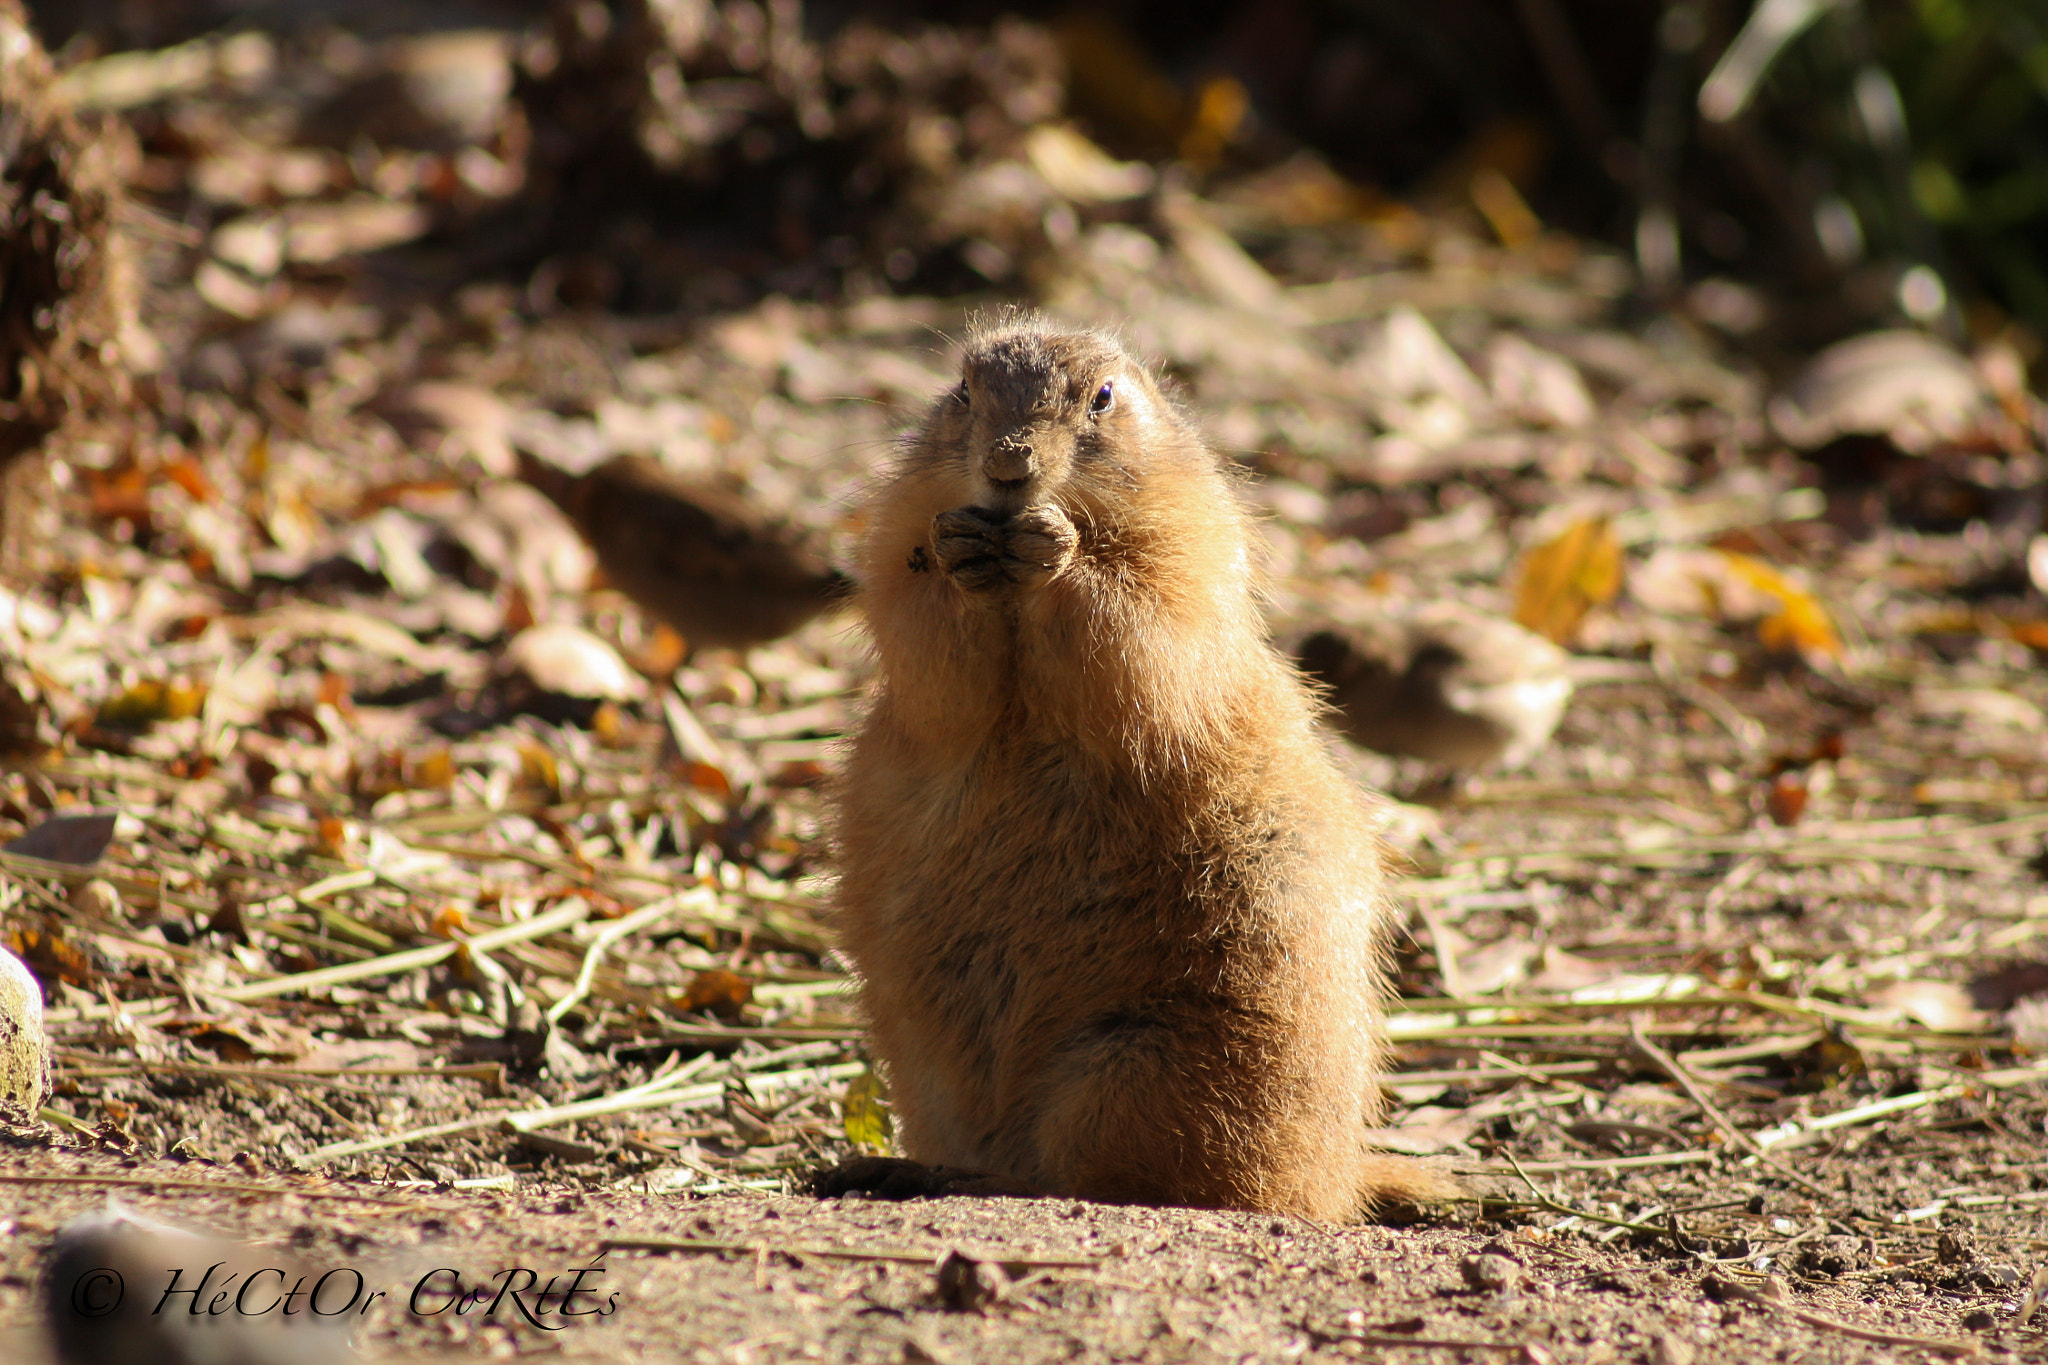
(980, 549)
(1040, 542)
(968, 546)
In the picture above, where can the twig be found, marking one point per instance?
(1482, 1075)
(1439, 939)
(538, 927)
(492, 1074)
(1545, 1202)
(652, 1091)
(1763, 1299)
(1797, 1131)
(1012, 1265)
(1670, 1066)
(713, 1035)
(2037, 1289)
(612, 933)
(215, 1187)
(1530, 1073)
(1699, 1156)
(341, 881)
(661, 1093)
(1422, 1343)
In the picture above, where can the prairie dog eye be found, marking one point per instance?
(1104, 400)
(960, 394)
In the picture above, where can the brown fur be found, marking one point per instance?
(1119, 918)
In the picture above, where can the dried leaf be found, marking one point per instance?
(434, 771)
(608, 725)
(1536, 385)
(538, 769)
(571, 662)
(186, 473)
(1215, 122)
(966, 1285)
(2032, 634)
(705, 778)
(1800, 624)
(2037, 1290)
(2003, 988)
(76, 839)
(1117, 80)
(869, 1124)
(1407, 365)
(1079, 170)
(1906, 386)
(146, 703)
(1564, 579)
(1941, 1005)
(49, 956)
(719, 991)
(247, 1038)
(1499, 964)
(1560, 973)
(660, 654)
(798, 774)
(1985, 706)
(1786, 798)
(120, 493)
(334, 838)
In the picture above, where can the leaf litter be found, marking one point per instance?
(353, 827)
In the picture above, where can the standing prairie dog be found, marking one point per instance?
(1119, 919)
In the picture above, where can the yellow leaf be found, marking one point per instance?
(146, 703)
(434, 770)
(718, 991)
(537, 768)
(1563, 579)
(1215, 122)
(1799, 624)
(869, 1125)
(333, 838)
(608, 724)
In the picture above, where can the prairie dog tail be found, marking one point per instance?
(1386, 1179)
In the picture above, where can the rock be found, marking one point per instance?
(24, 1047)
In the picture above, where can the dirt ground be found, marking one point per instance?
(770, 1277)
(387, 936)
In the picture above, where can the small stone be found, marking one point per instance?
(1490, 1273)
(1979, 1320)
(1956, 1246)
(968, 1286)
(1667, 1349)
(1832, 1256)
(97, 898)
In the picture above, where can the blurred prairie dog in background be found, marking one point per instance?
(1442, 683)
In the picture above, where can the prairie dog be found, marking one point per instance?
(691, 554)
(1444, 683)
(1118, 917)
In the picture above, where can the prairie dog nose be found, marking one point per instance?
(1009, 460)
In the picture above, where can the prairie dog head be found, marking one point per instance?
(1040, 414)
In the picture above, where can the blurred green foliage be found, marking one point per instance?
(1973, 76)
